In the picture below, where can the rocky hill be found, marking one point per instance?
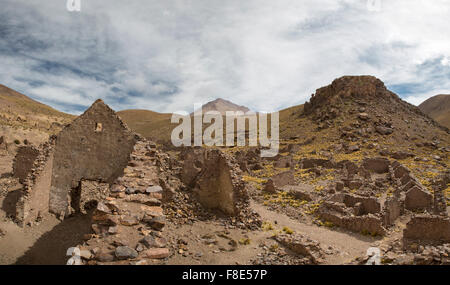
(438, 108)
(22, 118)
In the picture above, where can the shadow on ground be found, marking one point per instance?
(51, 247)
(10, 201)
(5, 175)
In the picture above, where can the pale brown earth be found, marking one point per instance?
(346, 245)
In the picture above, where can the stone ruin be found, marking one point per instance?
(426, 229)
(24, 162)
(362, 211)
(133, 204)
(432, 228)
(370, 214)
(215, 179)
(74, 169)
(35, 176)
(96, 146)
(3, 144)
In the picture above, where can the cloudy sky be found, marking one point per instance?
(264, 54)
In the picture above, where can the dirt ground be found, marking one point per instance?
(45, 243)
(209, 242)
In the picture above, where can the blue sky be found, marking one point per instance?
(167, 55)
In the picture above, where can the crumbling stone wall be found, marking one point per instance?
(427, 229)
(217, 186)
(3, 144)
(439, 187)
(367, 205)
(193, 163)
(88, 192)
(392, 209)
(95, 146)
(418, 198)
(24, 161)
(377, 164)
(354, 213)
(214, 181)
(35, 199)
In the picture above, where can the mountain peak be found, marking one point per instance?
(221, 105)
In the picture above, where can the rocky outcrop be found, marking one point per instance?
(302, 245)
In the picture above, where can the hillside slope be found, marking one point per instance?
(438, 108)
(24, 118)
(152, 125)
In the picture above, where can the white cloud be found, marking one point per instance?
(166, 55)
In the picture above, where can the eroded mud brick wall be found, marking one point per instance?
(35, 200)
(24, 161)
(96, 146)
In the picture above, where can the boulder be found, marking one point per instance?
(283, 179)
(156, 253)
(302, 245)
(125, 252)
(306, 163)
(283, 162)
(384, 130)
(301, 192)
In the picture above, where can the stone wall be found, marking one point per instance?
(91, 191)
(24, 161)
(393, 208)
(95, 146)
(216, 187)
(3, 144)
(427, 229)
(213, 180)
(35, 199)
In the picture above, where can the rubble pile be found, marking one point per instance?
(128, 225)
(213, 188)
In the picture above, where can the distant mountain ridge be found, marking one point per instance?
(438, 108)
(350, 107)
